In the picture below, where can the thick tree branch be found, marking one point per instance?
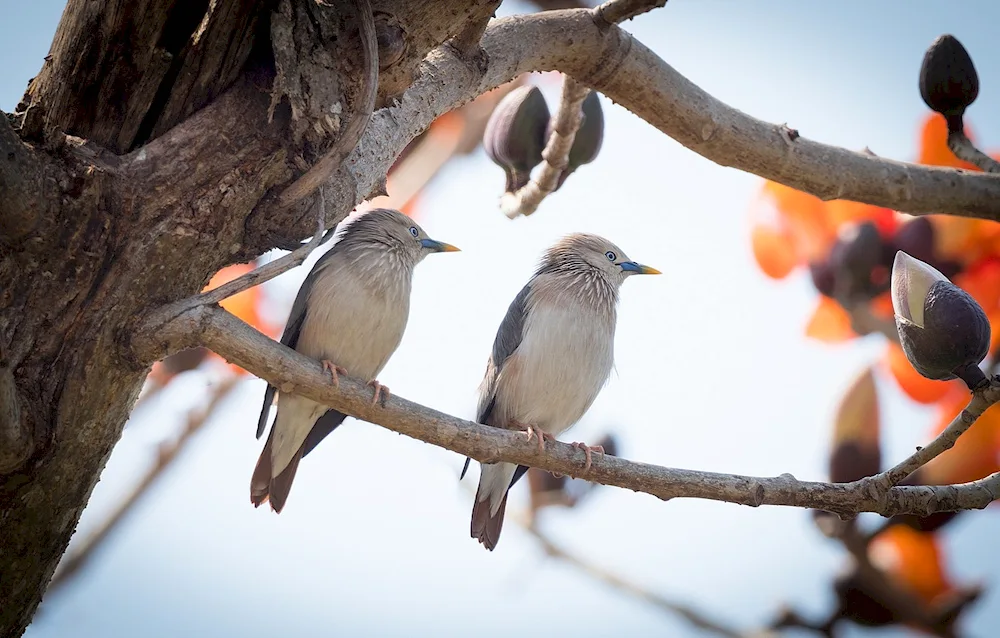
(615, 11)
(21, 183)
(613, 62)
(466, 42)
(292, 372)
(168, 451)
(15, 437)
(555, 155)
(268, 271)
(319, 174)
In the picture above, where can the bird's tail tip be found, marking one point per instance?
(486, 527)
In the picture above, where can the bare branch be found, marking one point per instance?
(615, 11)
(611, 61)
(269, 270)
(167, 453)
(981, 400)
(327, 165)
(965, 150)
(556, 154)
(292, 372)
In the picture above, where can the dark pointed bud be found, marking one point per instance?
(855, 446)
(515, 134)
(916, 239)
(853, 262)
(589, 137)
(943, 331)
(822, 277)
(948, 80)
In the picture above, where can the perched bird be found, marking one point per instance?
(350, 314)
(552, 355)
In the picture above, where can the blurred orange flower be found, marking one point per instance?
(913, 560)
(915, 385)
(791, 229)
(243, 304)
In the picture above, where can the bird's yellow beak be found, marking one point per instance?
(639, 269)
(439, 246)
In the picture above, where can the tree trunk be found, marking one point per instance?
(149, 152)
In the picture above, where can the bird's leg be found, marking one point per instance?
(588, 449)
(334, 370)
(530, 432)
(381, 391)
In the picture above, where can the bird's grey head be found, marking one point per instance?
(393, 234)
(581, 253)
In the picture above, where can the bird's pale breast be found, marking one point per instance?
(562, 363)
(353, 321)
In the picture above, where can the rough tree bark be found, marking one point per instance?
(146, 155)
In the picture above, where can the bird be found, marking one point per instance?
(350, 314)
(552, 354)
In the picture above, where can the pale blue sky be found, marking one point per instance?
(712, 373)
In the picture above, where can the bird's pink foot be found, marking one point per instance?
(334, 370)
(538, 433)
(381, 392)
(588, 450)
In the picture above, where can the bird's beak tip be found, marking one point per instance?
(640, 269)
(440, 246)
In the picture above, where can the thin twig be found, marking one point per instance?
(323, 170)
(981, 400)
(556, 154)
(615, 11)
(529, 524)
(965, 150)
(271, 269)
(84, 551)
(294, 373)
(689, 614)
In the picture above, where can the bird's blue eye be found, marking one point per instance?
(414, 231)
(611, 255)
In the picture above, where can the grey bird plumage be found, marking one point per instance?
(552, 355)
(350, 313)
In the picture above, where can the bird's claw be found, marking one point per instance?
(381, 392)
(540, 434)
(334, 370)
(588, 450)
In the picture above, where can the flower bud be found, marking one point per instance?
(943, 331)
(948, 80)
(515, 134)
(589, 137)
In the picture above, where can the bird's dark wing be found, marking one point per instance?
(293, 328)
(323, 426)
(508, 339)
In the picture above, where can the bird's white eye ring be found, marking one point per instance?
(414, 231)
(611, 255)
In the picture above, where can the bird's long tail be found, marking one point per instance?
(264, 487)
(491, 501)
